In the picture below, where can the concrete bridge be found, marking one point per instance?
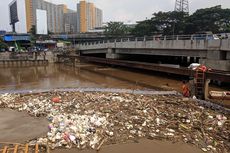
(81, 37)
(213, 53)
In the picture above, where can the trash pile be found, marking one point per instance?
(91, 119)
(80, 130)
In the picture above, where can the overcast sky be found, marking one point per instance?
(122, 10)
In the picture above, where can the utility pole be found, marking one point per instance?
(182, 6)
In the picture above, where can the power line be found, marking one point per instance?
(182, 6)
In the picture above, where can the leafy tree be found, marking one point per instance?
(2, 44)
(167, 23)
(50, 33)
(33, 33)
(212, 19)
(144, 28)
(170, 23)
(116, 29)
(33, 30)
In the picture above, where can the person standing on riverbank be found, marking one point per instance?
(185, 89)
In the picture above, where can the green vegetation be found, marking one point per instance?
(117, 29)
(162, 22)
(33, 34)
(3, 45)
(33, 30)
(214, 19)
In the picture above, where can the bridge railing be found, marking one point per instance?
(155, 38)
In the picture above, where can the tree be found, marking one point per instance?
(3, 45)
(33, 30)
(33, 33)
(116, 29)
(170, 23)
(212, 19)
(50, 33)
(144, 28)
(167, 23)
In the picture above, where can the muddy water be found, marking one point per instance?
(20, 127)
(84, 75)
(143, 146)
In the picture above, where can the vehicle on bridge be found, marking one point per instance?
(205, 36)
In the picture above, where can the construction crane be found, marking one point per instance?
(182, 6)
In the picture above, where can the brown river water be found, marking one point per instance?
(84, 75)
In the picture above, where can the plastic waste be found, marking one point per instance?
(89, 119)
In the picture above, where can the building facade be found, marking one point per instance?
(98, 18)
(55, 14)
(60, 19)
(70, 21)
(88, 16)
(27, 10)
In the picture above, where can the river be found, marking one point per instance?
(84, 75)
(87, 75)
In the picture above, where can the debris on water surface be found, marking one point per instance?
(56, 99)
(90, 119)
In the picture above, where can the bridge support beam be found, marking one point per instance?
(216, 64)
(216, 59)
(228, 56)
(111, 54)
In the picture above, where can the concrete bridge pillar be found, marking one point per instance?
(184, 60)
(228, 55)
(216, 58)
(216, 54)
(192, 59)
(188, 59)
(196, 59)
(111, 54)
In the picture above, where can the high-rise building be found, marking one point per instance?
(55, 15)
(70, 20)
(98, 18)
(89, 17)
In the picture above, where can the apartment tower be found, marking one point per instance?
(55, 15)
(89, 17)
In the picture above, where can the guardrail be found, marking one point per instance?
(158, 38)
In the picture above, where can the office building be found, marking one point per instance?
(88, 16)
(98, 18)
(70, 21)
(27, 10)
(55, 14)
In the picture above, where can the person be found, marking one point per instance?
(185, 89)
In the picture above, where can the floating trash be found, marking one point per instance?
(91, 119)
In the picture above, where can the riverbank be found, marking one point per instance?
(93, 119)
